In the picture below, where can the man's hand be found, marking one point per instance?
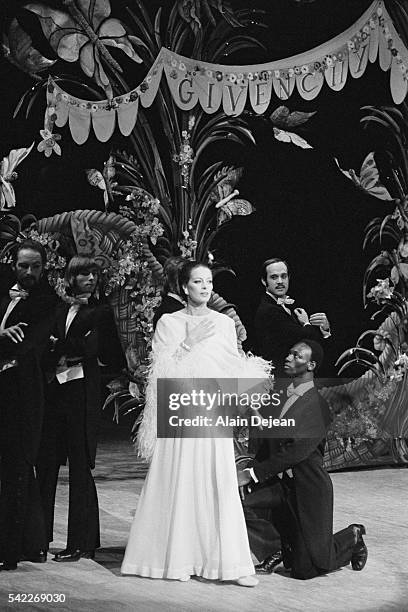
(14, 333)
(244, 477)
(302, 316)
(320, 320)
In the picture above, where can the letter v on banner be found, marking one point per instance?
(234, 98)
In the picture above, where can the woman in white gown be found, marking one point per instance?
(189, 519)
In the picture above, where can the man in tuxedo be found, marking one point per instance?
(277, 325)
(26, 314)
(85, 338)
(288, 474)
(171, 295)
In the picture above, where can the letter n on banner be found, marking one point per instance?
(182, 87)
(234, 98)
(309, 84)
(283, 86)
(209, 93)
(336, 75)
(260, 94)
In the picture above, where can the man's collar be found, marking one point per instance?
(175, 297)
(271, 295)
(301, 389)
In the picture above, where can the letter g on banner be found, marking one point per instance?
(181, 87)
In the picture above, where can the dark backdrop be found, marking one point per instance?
(306, 210)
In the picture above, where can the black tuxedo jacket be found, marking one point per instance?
(311, 482)
(92, 336)
(277, 331)
(168, 305)
(38, 311)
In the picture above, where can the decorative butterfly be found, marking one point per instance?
(291, 137)
(84, 33)
(8, 174)
(103, 180)
(369, 179)
(283, 119)
(228, 204)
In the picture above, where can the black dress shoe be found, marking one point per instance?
(268, 565)
(66, 556)
(360, 552)
(8, 566)
(39, 557)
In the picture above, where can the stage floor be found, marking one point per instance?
(376, 497)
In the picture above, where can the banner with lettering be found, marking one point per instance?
(231, 88)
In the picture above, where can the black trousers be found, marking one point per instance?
(22, 527)
(272, 521)
(65, 429)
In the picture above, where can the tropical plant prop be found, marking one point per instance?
(387, 355)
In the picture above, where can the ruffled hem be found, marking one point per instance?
(185, 573)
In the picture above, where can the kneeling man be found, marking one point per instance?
(288, 474)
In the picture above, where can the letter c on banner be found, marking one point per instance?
(309, 84)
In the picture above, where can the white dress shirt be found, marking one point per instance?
(13, 303)
(67, 373)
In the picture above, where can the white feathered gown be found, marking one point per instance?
(189, 519)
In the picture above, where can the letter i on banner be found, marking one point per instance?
(209, 92)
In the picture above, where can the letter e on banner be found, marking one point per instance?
(260, 95)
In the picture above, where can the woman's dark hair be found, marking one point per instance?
(79, 264)
(172, 267)
(32, 245)
(268, 262)
(186, 270)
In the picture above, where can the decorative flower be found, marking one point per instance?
(380, 341)
(381, 291)
(49, 143)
